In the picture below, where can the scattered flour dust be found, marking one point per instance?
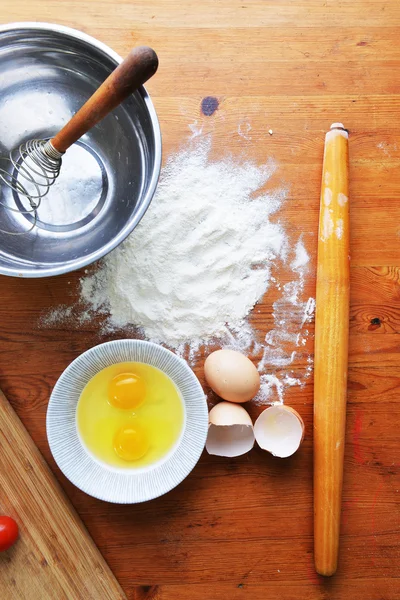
(63, 313)
(199, 262)
(195, 128)
(290, 314)
(200, 259)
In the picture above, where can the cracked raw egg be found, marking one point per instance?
(130, 415)
(127, 390)
(131, 442)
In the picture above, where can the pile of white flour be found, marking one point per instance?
(200, 259)
(197, 264)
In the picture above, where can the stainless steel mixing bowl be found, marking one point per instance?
(107, 179)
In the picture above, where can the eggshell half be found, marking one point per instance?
(230, 430)
(280, 430)
(232, 375)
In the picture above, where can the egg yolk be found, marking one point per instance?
(127, 391)
(131, 442)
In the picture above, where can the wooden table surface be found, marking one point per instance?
(243, 528)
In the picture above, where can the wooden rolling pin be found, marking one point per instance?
(331, 349)
(54, 558)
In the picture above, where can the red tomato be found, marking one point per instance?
(8, 533)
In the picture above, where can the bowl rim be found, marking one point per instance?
(102, 481)
(155, 173)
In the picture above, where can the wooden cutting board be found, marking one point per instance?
(55, 558)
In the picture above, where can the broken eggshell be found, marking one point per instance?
(230, 430)
(280, 430)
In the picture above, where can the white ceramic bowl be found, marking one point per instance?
(106, 482)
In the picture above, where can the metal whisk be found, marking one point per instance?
(36, 164)
(32, 168)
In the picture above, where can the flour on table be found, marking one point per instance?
(288, 313)
(63, 313)
(198, 263)
(200, 259)
(269, 383)
(244, 129)
(288, 336)
(195, 128)
(55, 315)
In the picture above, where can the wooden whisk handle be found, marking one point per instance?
(140, 64)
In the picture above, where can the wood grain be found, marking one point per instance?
(243, 528)
(54, 557)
